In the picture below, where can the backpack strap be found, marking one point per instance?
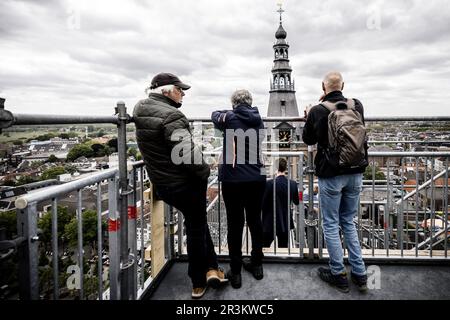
(350, 103)
(331, 106)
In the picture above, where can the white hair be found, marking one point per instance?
(161, 90)
(333, 81)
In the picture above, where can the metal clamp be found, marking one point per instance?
(129, 263)
(311, 223)
(126, 192)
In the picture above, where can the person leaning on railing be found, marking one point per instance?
(165, 141)
(339, 188)
(243, 181)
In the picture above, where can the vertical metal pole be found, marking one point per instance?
(301, 209)
(125, 280)
(114, 239)
(320, 232)
(219, 214)
(170, 224)
(28, 254)
(99, 241)
(425, 198)
(445, 201)
(274, 213)
(432, 216)
(387, 211)
(141, 185)
(180, 233)
(416, 235)
(310, 224)
(401, 212)
(372, 234)
(80, 242)
(55, 248)
(167, 210)
(132, 212)
(289, 204)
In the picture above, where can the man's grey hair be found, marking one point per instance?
(161, 90)
(241, 96)
(333, 81)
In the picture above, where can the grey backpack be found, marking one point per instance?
(347, 136)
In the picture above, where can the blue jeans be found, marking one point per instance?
(339, 198)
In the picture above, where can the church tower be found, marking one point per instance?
(282, 101)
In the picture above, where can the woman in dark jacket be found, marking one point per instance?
(243, 181)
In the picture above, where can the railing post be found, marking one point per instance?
(125, 263)
(132, 239)
(28, 255)
(301, 208)
(310, 219)
(114, 240)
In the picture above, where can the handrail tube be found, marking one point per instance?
(56, 191)
(45, 119)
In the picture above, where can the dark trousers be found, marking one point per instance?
(190, 199)
(239, 197)
(282, 239)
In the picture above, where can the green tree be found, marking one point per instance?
(81, 150)
(89, 229)
(378, 174)
(52, 173)
(68, 135)
(70, 168)
(52, 159)
(17, 142)
(24, 180)
(8, 220)
(133, 152)
(113, 144)
(100, 150)
(45, 224)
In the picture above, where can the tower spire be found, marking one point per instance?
(280, 11)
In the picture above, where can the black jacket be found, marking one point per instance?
(316, 131)
(157, 119)
(281, 205)
(241, 158)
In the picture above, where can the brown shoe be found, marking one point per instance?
(215, 277)
(197, 293)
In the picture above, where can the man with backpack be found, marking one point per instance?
(337, 126)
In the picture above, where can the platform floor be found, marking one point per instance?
(284, 281)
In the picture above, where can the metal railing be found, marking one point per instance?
(127, 264)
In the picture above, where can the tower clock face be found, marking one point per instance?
(284, 137)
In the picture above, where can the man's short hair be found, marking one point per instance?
(161, 90)
(333, 81)
(241, 96)
(282, 165)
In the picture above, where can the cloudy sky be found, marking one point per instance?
(73, 57)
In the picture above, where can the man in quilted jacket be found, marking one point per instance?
(178, 172)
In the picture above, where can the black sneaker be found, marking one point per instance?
(339, 281)
(256, 271)
(235, 279)
(360, 282)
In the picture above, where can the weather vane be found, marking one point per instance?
(280, 4)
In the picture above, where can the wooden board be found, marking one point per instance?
(157, 237)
